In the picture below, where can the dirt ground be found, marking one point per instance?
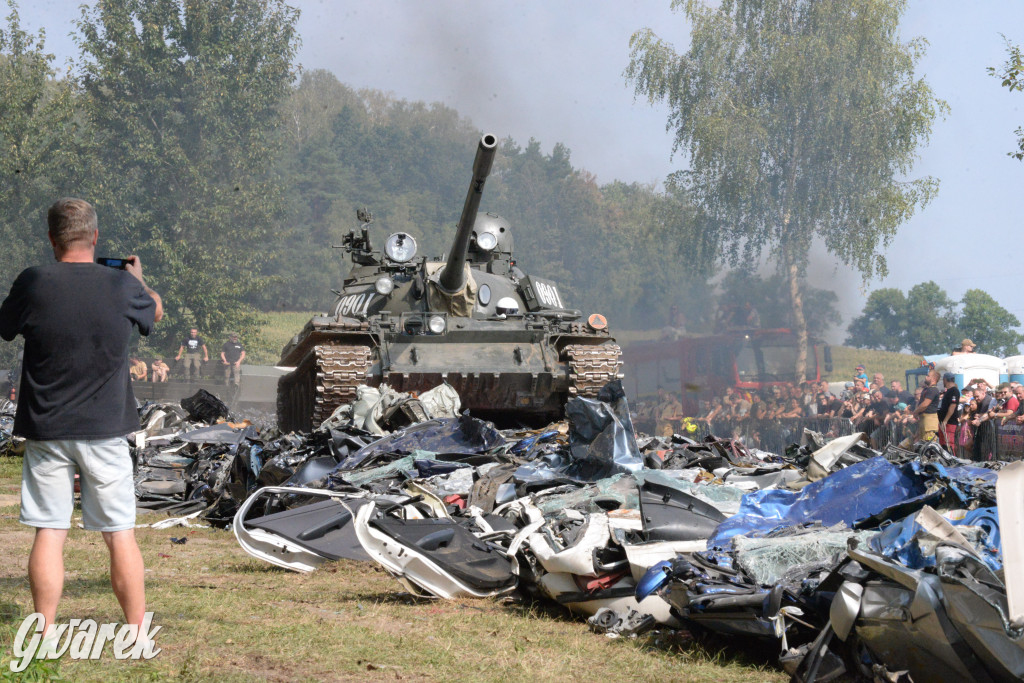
(228, 617)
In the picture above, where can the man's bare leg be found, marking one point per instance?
(127, 574)
(46, 572)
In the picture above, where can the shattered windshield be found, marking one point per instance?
(779, 361)
(746, 363)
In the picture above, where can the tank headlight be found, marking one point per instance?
(400, 247)
(486, 241)
(484, 295)
(384, 285)
(436, 324)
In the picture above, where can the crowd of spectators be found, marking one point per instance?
(857, 401)
(884, 410)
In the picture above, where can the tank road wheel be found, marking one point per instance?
(591, 367)
(326, 379)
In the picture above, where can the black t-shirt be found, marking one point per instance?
(232, 350)
(193, 345)
(933, 394)
(77, 321)
(881, 407)
(950, 397)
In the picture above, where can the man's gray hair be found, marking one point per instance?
(72, 223)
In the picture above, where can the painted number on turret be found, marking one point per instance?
(548, 294)
(539, 293)
(354, 305)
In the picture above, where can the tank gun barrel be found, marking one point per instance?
(453, 277)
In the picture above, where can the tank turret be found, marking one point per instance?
(504, 340)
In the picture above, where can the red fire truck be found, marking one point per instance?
(699, 367)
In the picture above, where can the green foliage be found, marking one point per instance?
(926, 321)
(185, 100)
(770, 297)
(800, 120)
(185, 130)
(989, 325)
(929, 319)
(1011, 76)
(38, 160)
(881, 324)
(615, 249)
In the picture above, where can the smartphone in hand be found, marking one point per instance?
(118, 263)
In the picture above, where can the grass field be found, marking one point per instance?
(276, 332)
(892, 365)
(228, 617)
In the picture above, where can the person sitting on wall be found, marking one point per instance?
(676, 324)
(160, 370)
(966, 346)
(138, 369)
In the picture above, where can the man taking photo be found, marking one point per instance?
(76, 404)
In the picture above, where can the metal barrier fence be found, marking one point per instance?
(771, 435)
(986, 442)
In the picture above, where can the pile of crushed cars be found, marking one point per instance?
(900, 565)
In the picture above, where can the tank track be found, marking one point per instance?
(328, 378)
(325, 380)
(592, 366)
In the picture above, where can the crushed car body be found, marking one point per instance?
(858, 563)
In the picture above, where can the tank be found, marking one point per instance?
(504, 340)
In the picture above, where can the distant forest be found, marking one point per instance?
(620, 249)
(231, 173)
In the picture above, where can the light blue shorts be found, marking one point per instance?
(105, 477)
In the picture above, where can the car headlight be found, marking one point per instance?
(384, 285)
(400, 247)
(486, 241)
(436, 324)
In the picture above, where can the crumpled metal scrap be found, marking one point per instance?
(821, 548)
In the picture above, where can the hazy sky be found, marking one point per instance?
(552, 70)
